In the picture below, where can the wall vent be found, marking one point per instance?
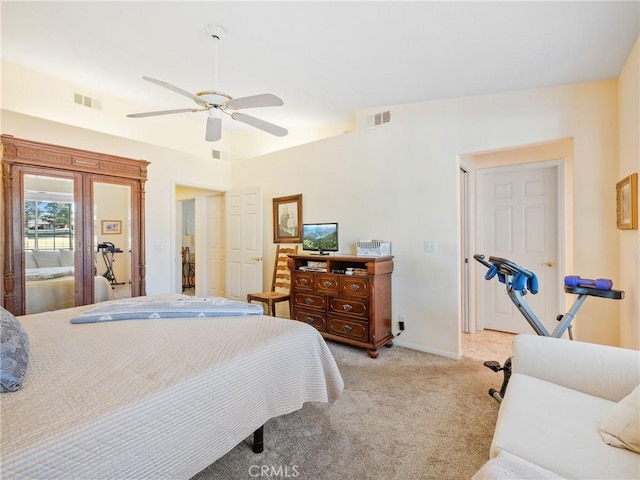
(378, 119)
(219, 155)
(85, 101)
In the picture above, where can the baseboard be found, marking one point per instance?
(420, 348)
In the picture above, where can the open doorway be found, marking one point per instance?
(188, 252)
(200, 242)
(480, 172)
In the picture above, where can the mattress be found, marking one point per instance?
(56, 293)
(156, 398)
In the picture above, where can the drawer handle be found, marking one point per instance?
(355, 288)
(304, 281)
(346, 328)
(308, 301)
(346, 307)
(326, 283)
(309, 320)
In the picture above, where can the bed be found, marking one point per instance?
(154, 398)
(50, 281)
(45, 292)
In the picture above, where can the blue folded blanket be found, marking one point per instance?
(138, 309)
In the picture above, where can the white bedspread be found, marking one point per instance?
(58, 293)
(154, 399)
(35, 274)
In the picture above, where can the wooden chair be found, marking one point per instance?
(281, 281)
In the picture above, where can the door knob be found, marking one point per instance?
(257, 259)
(549, 264)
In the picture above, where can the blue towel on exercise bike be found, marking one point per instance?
(523, 279)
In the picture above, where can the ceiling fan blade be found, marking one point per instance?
(261, 124)
(173, 88)
(214, 129)
(262, 100)
(163, 112)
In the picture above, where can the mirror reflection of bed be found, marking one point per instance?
(49, 241)
(50, 281)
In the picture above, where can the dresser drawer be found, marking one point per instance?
(326, 283)
(349, 306)
(309, 300)
(348, 328)
(312, 318)
(354, 286)
(303, 280)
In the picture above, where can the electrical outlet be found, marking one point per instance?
(401, 323)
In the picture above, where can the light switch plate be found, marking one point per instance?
(430, 246)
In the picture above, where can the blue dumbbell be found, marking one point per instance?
(598, 284)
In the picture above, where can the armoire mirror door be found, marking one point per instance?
(107, 210)
(113, 232)
(50, 216)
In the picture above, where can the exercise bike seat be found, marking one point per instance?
(594, 292)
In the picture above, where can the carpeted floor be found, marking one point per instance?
(405, 415)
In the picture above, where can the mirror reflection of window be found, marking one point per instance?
(49, 243)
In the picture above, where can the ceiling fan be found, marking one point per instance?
(217, 103)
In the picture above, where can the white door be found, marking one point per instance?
(517, 219)
(216, 246)
(244, 242)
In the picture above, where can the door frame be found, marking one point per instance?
(467, 297)
(201, 229)
(475, 172)
(176, 229)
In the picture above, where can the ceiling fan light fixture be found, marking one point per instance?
(215, 112)
(214, 128)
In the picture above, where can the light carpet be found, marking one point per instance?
(405, 415)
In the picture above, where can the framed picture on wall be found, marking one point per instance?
(627, 203)
(287, 219)
(111, 227)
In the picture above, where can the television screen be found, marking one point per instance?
(322, 237)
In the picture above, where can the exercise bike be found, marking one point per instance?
(108, 250)
(518, 282)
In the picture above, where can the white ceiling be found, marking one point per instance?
(325, 59)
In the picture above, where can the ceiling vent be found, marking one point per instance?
(85, 101)
(378, 119)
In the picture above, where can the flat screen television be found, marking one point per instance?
(320, 237)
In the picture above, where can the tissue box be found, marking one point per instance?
(373, 248)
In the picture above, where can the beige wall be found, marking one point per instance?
(629, 240)
(399, 183)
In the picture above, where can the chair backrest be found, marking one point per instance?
(281, 274)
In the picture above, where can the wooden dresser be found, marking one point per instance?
(347, 298)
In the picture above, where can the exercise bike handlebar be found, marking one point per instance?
(522, 279)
